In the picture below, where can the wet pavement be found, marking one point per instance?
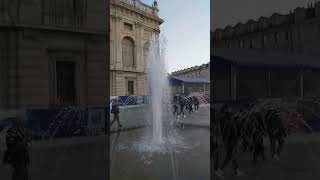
(185, 157)
(64, 159)
(299, 160)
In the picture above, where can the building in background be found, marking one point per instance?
(191, 80)
(196, 72)
(276, 57)
(53, 52)
(294, 32)
(131, 27)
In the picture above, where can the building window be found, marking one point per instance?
(264, 41)
(287, 35)
(130, 87)
(146, 52)
(241, 44)
(128, 52)
(251, 44)
(128, 26)
(66, 82)
(276, 37)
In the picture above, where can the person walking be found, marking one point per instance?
(190, 104)
(230, 139)
(115, 111)
(258, 133)
(196, 103)
(17, 153)
(216, 146)
(276, 131)
(182, 106)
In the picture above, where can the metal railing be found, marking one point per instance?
(53, 19)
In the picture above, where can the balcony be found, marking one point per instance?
(137, 5)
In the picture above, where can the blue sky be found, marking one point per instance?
(187, 30)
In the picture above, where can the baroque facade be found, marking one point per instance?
(132, 24)
(53, 52)
(296, 32)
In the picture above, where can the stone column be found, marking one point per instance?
(118, 43)
(139, 47)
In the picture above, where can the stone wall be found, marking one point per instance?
(31, 52)
(131, 117)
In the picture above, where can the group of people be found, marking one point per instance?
(182, 103)
(247, 129)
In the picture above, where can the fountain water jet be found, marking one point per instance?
(158, 86)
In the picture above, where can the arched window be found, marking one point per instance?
(146, 52)
(128, 52)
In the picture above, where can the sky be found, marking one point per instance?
(186, 28)
(230, 12)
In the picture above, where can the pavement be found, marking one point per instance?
(135, 117)
(200, 118)
(64, 159)
(299, 160)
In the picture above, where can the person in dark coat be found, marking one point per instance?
(196, 103)
(175, 105)
(17, 153)
(182, 104)
(190, 104)
(115, 111)
(230, 137)
(216, 145)
(258, 133)
(276, 131)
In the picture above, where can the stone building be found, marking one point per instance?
(53, 52)
(276, 57)
(132, 25)
(191, 80)
(297, 31)
(199, 72)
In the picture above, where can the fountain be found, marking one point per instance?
(158, 149)
(158, 86)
